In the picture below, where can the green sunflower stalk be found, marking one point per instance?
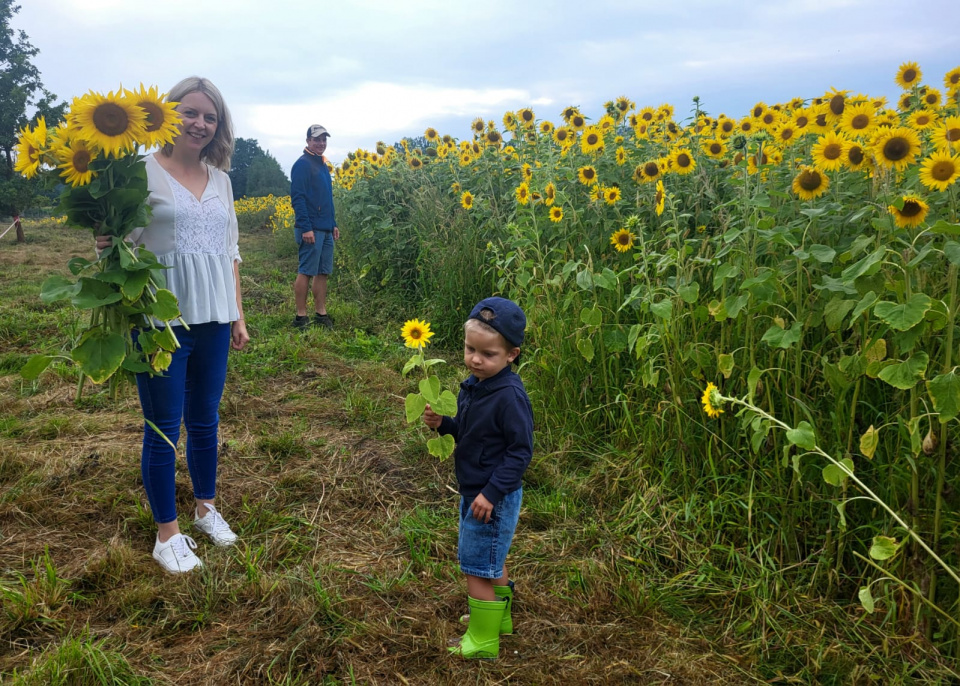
(416, 334)
(96, 152)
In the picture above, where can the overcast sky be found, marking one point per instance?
(374, 70)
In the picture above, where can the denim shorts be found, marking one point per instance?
(317, 257)
(482, 548)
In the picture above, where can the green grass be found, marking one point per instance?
(346, 569)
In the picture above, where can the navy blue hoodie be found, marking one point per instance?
(311, 195)
(494, 434)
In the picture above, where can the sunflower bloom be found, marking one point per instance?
(526, 117)
(940, 170)
(75, 162)
(922, 119)
(611, 195)
(162, 122)
(660, 197)
(908, 75)
(712, 402)
(858, 120)
(30, 149)
(591, 140)
(946, 134)
(416, 334)
(522, 192)
(682, 162)
(897, 147)
(466, 200)
(854, 156)
(556, 214)
(549, 194)
(810, 183)
(622, 240)
(912, 214)
(111, 122)
(587, 175)
(827, 152)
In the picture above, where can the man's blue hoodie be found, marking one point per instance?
(494, 434)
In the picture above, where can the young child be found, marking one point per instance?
(494, 433)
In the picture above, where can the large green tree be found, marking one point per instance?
(255, 172)
(20, 91)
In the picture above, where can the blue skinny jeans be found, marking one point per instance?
(189, 391)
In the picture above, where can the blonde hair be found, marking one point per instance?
(218, 151)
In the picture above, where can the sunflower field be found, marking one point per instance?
(742, 329)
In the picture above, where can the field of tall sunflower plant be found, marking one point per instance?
(743, 325)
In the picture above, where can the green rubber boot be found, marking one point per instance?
(483, 631)
(506, 624)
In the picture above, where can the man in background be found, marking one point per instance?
(315, 229)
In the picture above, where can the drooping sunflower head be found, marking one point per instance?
(622, 240)
(660, 197)
(908, 75)
(112, 122)
(712, 401)
(897, 147)
(416, 333)
(162, 124)
(31, 149)
(569, 113)
(556, 214)
(466, 200)
(939, 171)
(414, 162)
(549, 194)
(75, 162)
(911, 214)
(810, 183)
(587, 175)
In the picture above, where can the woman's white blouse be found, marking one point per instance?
(197, 239)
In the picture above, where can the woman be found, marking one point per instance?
(193, 231)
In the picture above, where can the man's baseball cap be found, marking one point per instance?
(316, 131)
(505, 316)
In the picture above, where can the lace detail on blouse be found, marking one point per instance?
(201, 224)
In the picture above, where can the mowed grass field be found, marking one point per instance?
(346, 567)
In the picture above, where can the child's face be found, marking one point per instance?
(485, 353)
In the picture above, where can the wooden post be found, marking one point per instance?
(16, 221)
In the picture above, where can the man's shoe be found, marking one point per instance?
(301, 322)
(322, 320)
(175, 555)
(215, 526)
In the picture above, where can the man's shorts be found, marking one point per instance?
(482, 548)
(316, 258)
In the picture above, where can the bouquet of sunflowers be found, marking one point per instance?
(96, 152)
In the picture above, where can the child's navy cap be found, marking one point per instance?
(504, 315)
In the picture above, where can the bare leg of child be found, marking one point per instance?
(480, 589)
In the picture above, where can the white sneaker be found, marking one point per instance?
(215, 526)
(176, 554)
